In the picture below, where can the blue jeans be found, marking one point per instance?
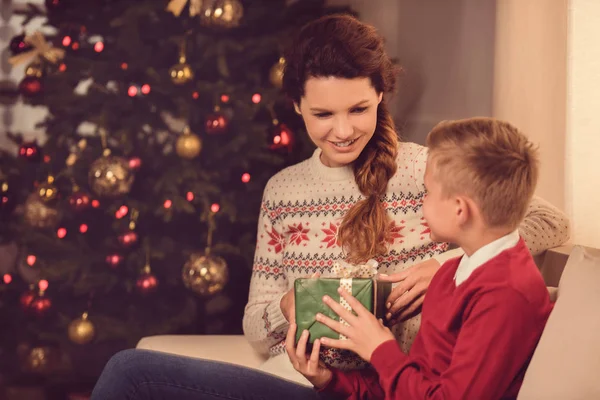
(148, 375)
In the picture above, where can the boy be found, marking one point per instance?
(484, 312)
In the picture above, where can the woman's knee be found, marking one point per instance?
(128, 362)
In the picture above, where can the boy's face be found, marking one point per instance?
(439, 209)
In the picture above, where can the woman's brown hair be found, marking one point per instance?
(342, 46)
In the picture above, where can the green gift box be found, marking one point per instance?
(309, 301)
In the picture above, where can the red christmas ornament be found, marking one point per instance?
(135, 163)
(79, 201)
(146, 282)
(40, 305)
(281, 138)
(26, 299)
(216, 124)
(31, 86)
(114, 260)
(128, 239)
(30, 151)
(18, 45)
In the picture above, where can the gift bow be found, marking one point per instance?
(40, 48)
(342, 269)
(176, 7)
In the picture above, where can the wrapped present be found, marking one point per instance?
(360, 280)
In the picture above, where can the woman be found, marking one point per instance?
(361, 191)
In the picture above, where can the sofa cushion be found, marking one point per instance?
(566, 362)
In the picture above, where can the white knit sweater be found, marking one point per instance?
(301, 210)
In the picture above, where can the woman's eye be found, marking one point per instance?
(323, 115)
(359, 110)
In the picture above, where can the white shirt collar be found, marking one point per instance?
(469, 264)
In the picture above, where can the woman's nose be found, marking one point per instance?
(343, 129)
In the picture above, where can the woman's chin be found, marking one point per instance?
(336, 159)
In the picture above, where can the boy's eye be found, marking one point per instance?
(358, 110)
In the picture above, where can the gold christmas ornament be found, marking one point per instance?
(34, 69)
(110, 176)
(223, 13)
(205, 274)
(81, 330)
(47, 190)
(39, 359)
(38, 214)
(182, 72)
(276, 73)
(176, 7)
(188, 144)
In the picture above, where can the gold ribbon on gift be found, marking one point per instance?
(176, 7)
(342, 269)
(346, 272)
(41, 48)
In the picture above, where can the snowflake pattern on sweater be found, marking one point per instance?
(301, 210)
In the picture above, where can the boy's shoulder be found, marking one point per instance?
(511, 273)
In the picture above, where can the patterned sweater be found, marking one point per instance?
(301, 210)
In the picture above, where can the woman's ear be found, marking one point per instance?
(380, 97)
(297, 108)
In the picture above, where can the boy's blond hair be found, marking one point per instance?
(488, 160)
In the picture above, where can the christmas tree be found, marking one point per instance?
(137, 215)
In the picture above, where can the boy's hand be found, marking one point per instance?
(407, 297)
(314, 370)
(365, 332)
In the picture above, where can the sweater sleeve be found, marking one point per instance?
(264, 323)
(544, 226)
(500, 322)
(354, 384)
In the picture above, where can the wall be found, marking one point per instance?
(446, 49)
(530, 82)
(582, 180)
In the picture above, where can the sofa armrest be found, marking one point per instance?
(552, 263)
(233, 349)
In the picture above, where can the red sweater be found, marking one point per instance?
(475, 340)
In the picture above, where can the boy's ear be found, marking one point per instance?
(463, 210)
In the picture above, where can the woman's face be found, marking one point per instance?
(340, 116)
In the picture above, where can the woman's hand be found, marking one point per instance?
(314, 370)
(364, 332)
(288, 306)
(407, 297)
(288, 302)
